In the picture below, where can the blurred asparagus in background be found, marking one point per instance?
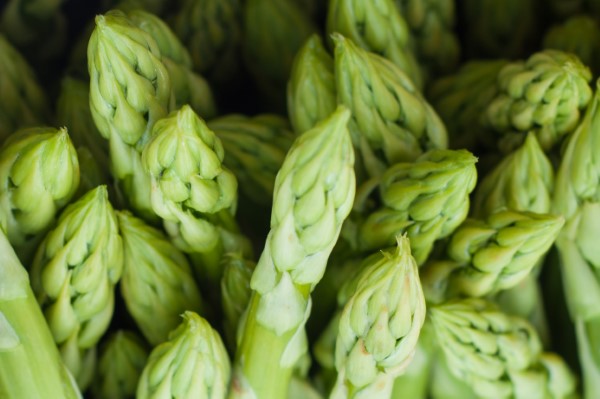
(39, 175)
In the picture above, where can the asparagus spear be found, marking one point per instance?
(313, 195)
(31, 364)
(74, 274)
(157, 279)
(193, 363)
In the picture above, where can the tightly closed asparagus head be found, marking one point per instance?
(379, 326)
(432, 24)
(120, 364)
(461, 98)
(522, 181)
(39, 174)
(391, 121)
(545, 94)
(376, 27)
(74, 274)
(311, 95)
(313, 195)
(31, 363)
(255, 148)
(157, 282)
(188, 87)
(211, 30)
(579, 35)
(274, 30)
(428, 199)
(193, 363)
(130, 89)
(235, 293)
(23, 103)
(498, 252)
(499, 356)
(191, 189)
(499, 28)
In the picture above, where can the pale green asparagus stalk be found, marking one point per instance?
(23, 102)
(311, 95)
(212, 32)
(391, 121)
(379, 326)
(157, 282)
(492, 254)
(273, 32)
(193, 363)
(255, 148)
(461, 99)
(31, 364)
(235, 294)
(314, 191)
(498, 355)
(130, 89)
(192, 191)
(377, 27)
(74, 274)
(39, 174)
(188, 87)
(427, 199)
(577, 198)
(432, 24)
(579, 35)
(120, 364)
(546, 94)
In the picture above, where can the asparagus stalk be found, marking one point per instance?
(31, 364)
(313, 195)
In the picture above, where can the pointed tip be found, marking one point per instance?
(403, 245)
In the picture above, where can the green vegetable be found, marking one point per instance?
(391, 121)
(157, 282)
(379, 326)
(311, 95)
(193, 363)
(314, 191)
(120, 365)
(39, 174)
(74, 274)
(31, 364)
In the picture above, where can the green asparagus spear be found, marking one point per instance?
(314, 191)
(157, 282)
(193, 363)
(31, 364)
(39, 174)
(74, 274)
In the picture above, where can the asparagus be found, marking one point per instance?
(157, 279)
(23, 102)
(120, 365)
(486, 256)
(273, 31)
(31, 364)
(379, 326)
(73, 275)
(311, 95)
(255, 148)
(376, 27)
(130, 89)
(193, 363)
(427, 199)
(39, 174)
(499, 356)
(314, 191)
(391, 121)
(461, 98)
(545, 94)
